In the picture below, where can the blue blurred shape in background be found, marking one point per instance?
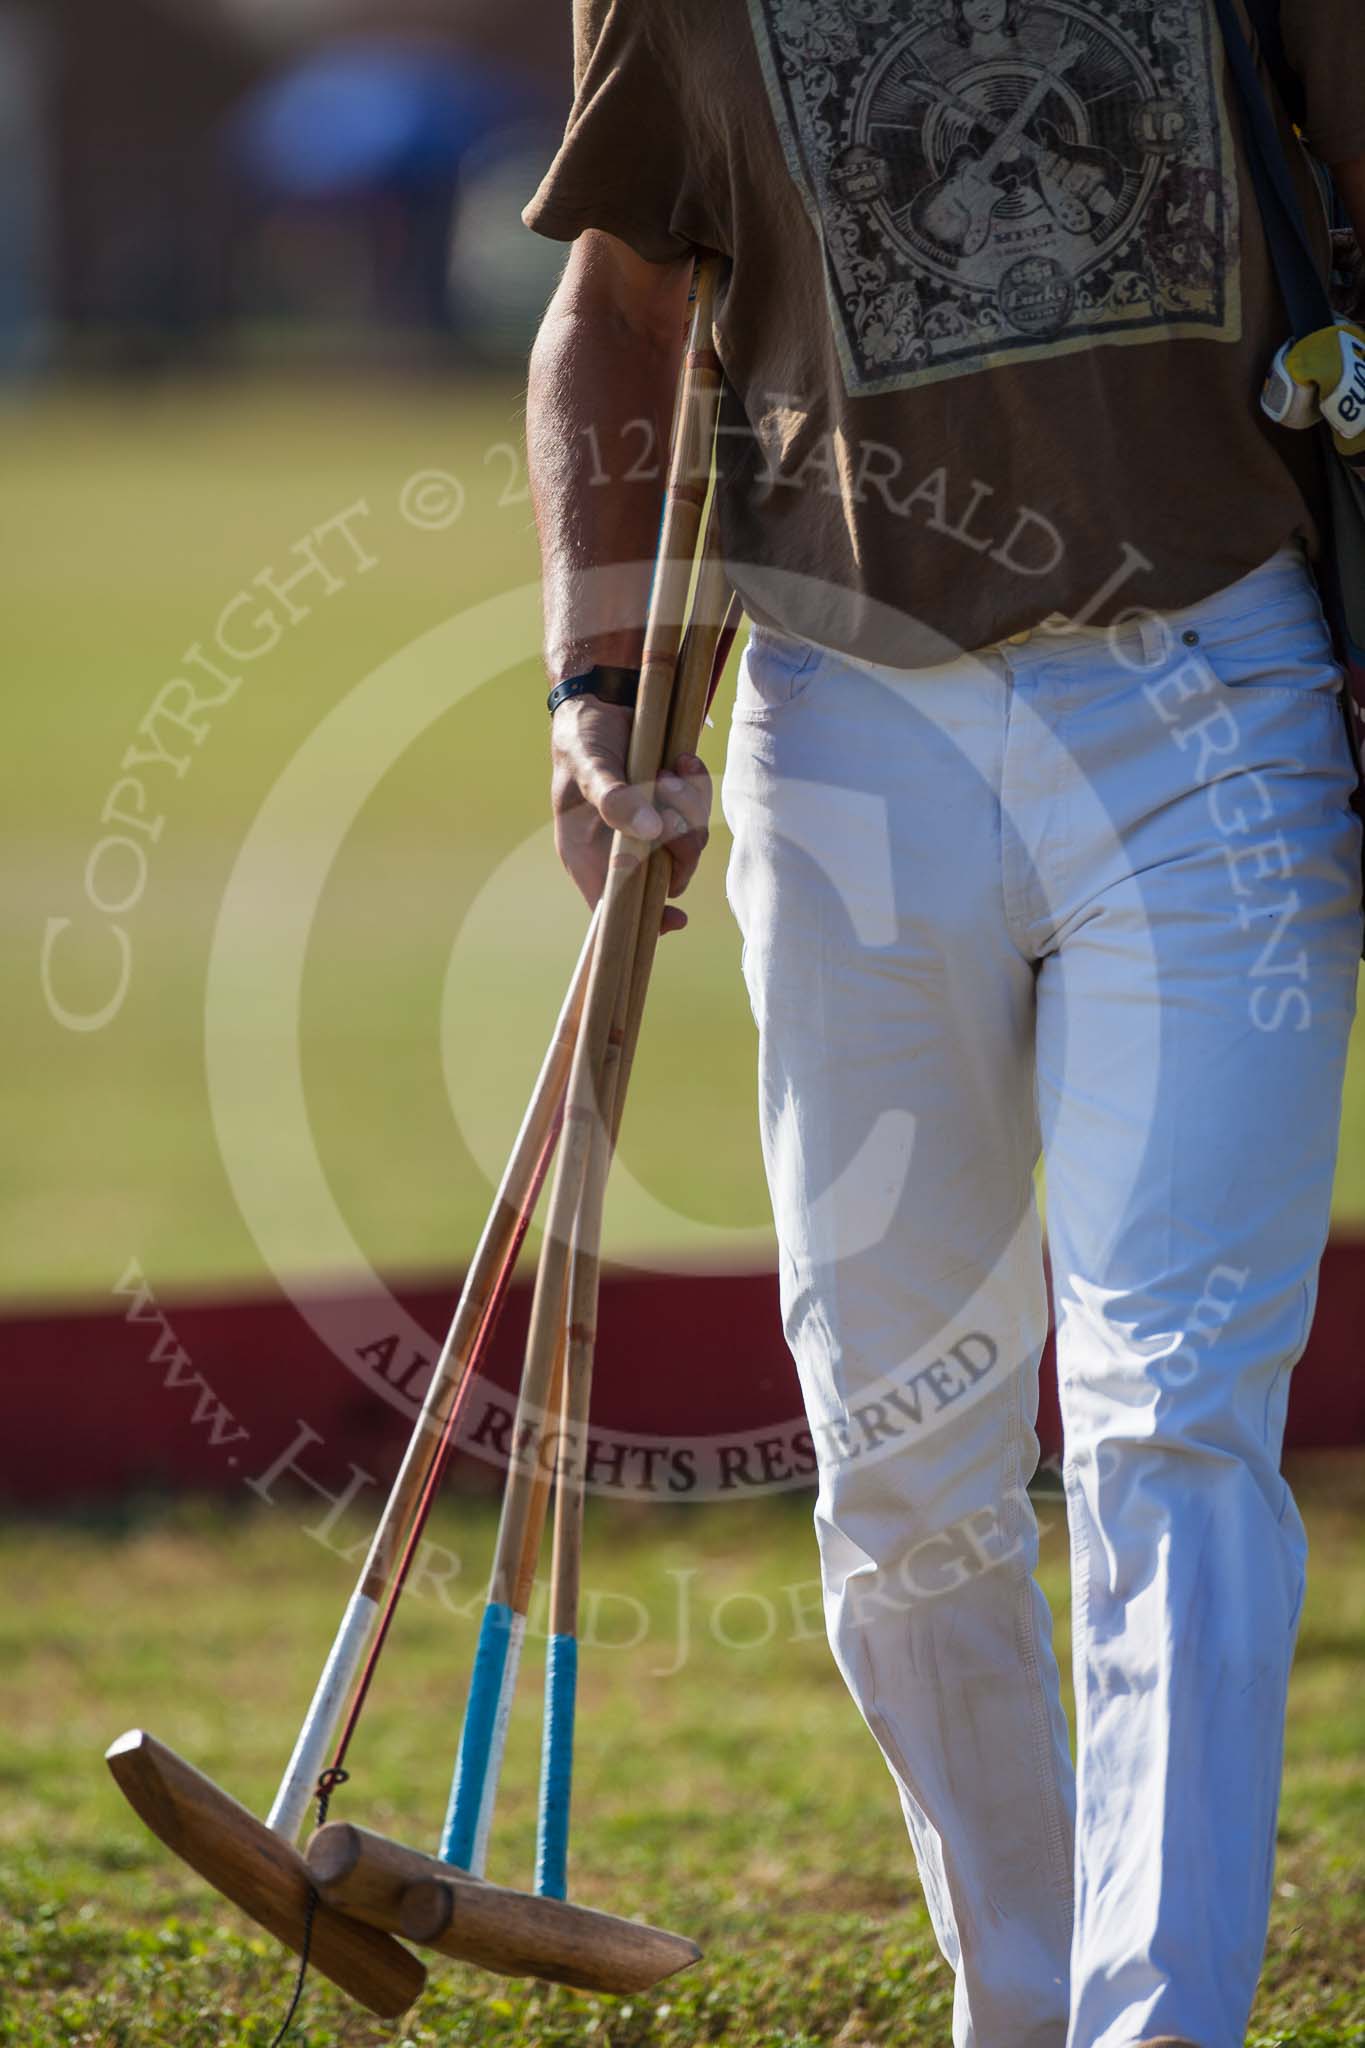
(371, 113)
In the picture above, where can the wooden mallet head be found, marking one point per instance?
(260, 1872)
(514, 1934)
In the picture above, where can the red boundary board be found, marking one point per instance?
(196, 1396)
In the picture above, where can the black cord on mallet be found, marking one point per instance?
(326, 1786)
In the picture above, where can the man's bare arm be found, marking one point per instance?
(604, 370)
(603, 377)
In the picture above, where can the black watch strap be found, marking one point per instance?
(610, 685)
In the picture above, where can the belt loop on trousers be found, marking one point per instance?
(1157, 638)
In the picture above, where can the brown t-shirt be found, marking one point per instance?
(997, 305)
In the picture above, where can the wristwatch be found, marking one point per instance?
(610, 685)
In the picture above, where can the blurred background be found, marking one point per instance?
(228, 181)
(259, 264)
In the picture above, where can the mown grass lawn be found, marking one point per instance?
(725, 1787)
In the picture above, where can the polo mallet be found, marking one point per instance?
(443, 1902)
(257, 1865)
(594, 1104)
(483, 1737)
(254, 1864)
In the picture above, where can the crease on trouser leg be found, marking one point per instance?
(1188, 1563)
(944, 1641)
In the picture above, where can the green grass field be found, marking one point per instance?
(442, 931)
(725, 1786)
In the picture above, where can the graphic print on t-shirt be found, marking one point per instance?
(997, 180)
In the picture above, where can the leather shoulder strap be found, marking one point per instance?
(1305, 292)
(1264, 16)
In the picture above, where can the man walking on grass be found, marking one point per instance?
(1039, 787)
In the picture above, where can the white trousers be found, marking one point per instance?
(1097, 896)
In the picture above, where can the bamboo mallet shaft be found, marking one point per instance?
(473, 1790)
(688, 710)
(711, 615)
(514, 1195)
(619, 911)
(514, 1191)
